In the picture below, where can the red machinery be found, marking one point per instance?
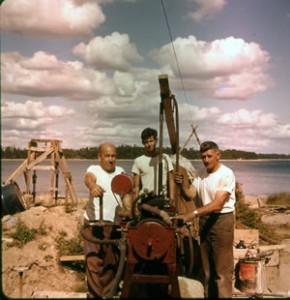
(152, 249)
(152, 256)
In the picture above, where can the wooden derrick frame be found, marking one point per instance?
(36, 155)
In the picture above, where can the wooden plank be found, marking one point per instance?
(17, 172)
(42, 157)
(43, 168)
(44, 141)
(72, 258)
(67, 177)
(38, 149)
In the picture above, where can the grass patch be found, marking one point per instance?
(249, 217)
(73, 246)
(48, 258)
(70, 247)
(279, 199)
(22, 235)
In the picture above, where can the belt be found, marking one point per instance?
(226, 213)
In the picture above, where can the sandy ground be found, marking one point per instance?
(38, 260)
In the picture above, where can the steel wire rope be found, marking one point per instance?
(175, 55)
(185, 95)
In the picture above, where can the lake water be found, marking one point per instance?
(257, 177)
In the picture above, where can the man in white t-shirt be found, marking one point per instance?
(146, 168)
(102, 259)
(215, 186)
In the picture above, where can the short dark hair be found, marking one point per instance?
(147, 132)
(208, 145)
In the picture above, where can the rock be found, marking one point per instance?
(9, 222)
(276, 219)
(190, 288)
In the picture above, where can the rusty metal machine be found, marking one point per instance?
(153, 250)
(152, 256)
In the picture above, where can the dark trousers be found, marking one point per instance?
(101, 260)
(217, 237)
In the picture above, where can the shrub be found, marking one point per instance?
(279, 199)
(73, 246)
(23, 235)
(249, 217)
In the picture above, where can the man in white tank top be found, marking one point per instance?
(102, 260)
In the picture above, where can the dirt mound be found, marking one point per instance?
(38, 260)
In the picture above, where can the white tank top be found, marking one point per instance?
(109, 201)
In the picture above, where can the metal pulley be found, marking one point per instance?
(150, 240)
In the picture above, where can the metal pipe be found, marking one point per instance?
(160, 165)
(56, 181)
(20, 271)
(118, 277)
(34, 178)
(95, 240)
(101, 208)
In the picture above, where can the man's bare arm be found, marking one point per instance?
(91, 182)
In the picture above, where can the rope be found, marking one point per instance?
(175, 55)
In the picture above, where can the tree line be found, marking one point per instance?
(131, 152)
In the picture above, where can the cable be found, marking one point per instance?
(176, 59)
(175, 55)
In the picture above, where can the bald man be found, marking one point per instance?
(102, 260)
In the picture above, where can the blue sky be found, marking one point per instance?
(86, 71)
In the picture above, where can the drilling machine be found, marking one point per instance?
(153, 250)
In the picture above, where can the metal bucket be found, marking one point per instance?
(248, 276)
(252, 276)
(11, 199)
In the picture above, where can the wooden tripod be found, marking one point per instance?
(36, 155)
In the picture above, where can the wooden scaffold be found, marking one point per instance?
(40, 150)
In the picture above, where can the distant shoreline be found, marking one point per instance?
(130, 159)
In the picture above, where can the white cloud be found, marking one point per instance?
(206, 10)
(20, 122)
(111, 52)
(227, 69)
(57, 18)
(20, 138)
(243, 118)
(32, 115)
(44, 75)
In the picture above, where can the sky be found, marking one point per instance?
(87, 71)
